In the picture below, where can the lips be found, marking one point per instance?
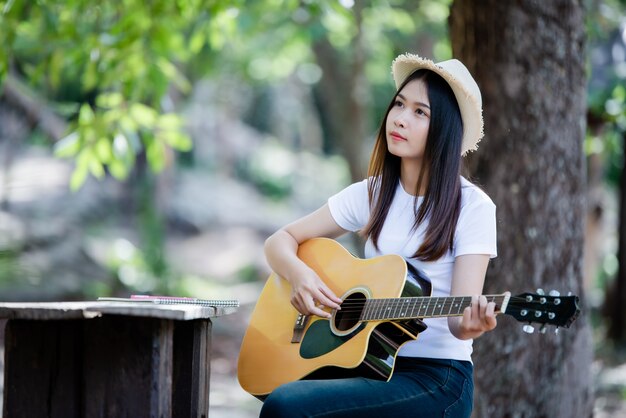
(396, 136)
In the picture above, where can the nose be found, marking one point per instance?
(399, 120)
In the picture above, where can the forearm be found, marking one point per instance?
(468, 278)
(281, 248)
(281, 252)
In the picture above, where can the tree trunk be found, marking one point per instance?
(528, 58)
(616, 296)
(344, 96)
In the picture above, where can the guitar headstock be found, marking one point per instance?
(551, 309)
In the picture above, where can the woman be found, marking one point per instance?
(414, 203)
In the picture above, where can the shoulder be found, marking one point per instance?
(362, 187)
(355, 189)
(350, 206)
(472, 195)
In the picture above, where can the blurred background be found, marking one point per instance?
(151, 147)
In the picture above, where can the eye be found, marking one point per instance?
(397, 103)
(420, 112)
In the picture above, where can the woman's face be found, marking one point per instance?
(408, 121)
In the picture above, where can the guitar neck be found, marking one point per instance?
(390, 309)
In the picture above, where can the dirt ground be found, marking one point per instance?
(227, 398)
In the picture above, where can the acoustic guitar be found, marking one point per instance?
(384, 301)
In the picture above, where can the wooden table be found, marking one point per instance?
(106, 359)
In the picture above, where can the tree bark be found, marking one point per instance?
(344, 96)
(36, 110)
(528, 58)
(616, 295)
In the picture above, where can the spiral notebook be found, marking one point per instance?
(174, 300)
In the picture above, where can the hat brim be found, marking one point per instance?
(463, 85)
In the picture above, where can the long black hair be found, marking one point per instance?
(442, 169)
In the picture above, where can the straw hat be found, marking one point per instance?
(463, 85)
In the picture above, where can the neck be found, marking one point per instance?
(409, 176)
(422, 307)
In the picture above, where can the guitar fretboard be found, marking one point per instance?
(420, 307)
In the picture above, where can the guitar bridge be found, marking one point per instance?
(298, 328)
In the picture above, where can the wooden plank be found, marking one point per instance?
(42, 362)
(162, 366)
(201, 368)
(79, 310)
(192, 345)
(117, 367)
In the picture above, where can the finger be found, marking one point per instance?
(298, 302)
(467, 316)
(482, 302)
(329, 293)
(298, 306)
(475, 307)
(328, 298)
(302, 302)
(490, 318)
(310, 306)
(315, 310)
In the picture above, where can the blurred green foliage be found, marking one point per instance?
(606, 28)
(114, 65)
(116, 61)
(118, 72)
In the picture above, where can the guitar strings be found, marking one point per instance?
(352, 309)
(394, 309)
(430, 300)
(417, 300)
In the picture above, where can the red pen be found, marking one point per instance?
(154, 297)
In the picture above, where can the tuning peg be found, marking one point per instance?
(556, 331)
(543, 329)
(528, 329)
(540, 292)
(554, 293)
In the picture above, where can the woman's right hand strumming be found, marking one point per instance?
(309, 295)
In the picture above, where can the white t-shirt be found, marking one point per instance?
(475, 234)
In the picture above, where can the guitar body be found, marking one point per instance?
(336, 348)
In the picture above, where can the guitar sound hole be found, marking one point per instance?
(350, 313)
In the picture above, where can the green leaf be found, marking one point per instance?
(4, 59)
(79, 175)
(104, 150)
(169, 121)
(197, 41)
(155, 153)
(145, 116)
(90, 76)
(110, 100)
(118, 169)
(96, 168)
(68, 146)
(177, 140)
(86, 115)
(127, 123)
(175, 76)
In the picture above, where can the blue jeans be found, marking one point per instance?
(419, 387)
